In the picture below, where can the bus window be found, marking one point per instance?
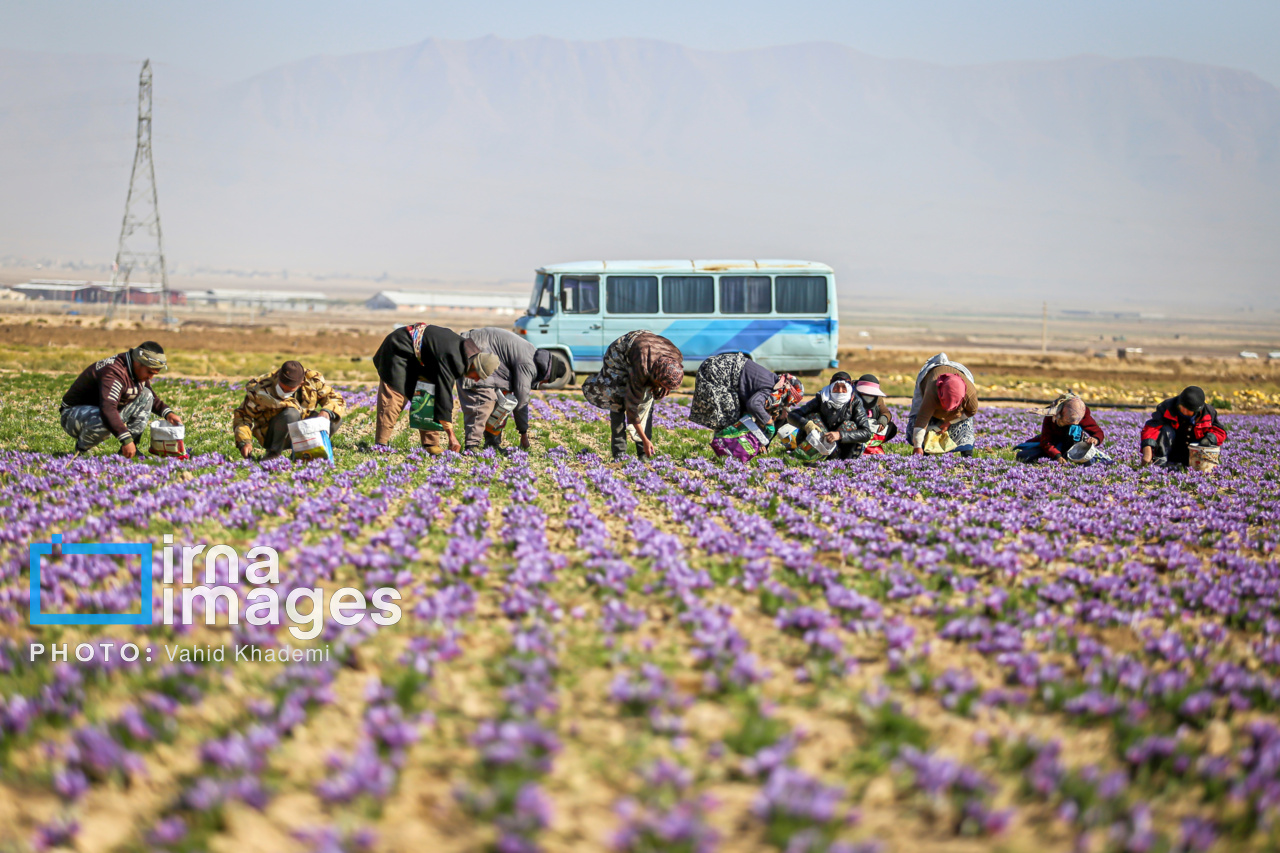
(688, 294)
(802, 294)
(745, 294)
(631, 294)
(580, 294)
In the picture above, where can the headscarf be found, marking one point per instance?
(786, 393)
(1192, 397)
(826, 393)
(951, 391)
(666, 375)
(1072, 412)
(1068, 409)
(150, 358)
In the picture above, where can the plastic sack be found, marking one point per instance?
(814, 447)
(938, 441)
(646, 406)
(501, 412)
(878, 436)
(168, 439)
(743, 440)
(788, 437)
(310, 439)
(422, 408)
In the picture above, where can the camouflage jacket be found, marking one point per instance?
(261, 404)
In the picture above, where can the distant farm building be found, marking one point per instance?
(408, 300)
(261, 300)
(93, 292)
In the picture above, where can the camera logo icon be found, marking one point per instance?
(142, 550)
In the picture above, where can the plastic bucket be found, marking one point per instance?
(168, 439)
(1203, 457)
(1082, 453)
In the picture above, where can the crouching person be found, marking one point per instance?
(273, 401)
(883, 429)
(1067, 422)
(1176, 424)
(839, 415)
(521, 368)
(114, 398)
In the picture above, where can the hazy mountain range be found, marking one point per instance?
(1125, 180)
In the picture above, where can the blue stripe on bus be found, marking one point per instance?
(700, 339)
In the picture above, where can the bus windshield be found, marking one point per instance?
(540, 304)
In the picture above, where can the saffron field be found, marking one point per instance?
(888, 654)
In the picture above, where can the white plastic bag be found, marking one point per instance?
(502, 410)
(310, 439)
(749, 424)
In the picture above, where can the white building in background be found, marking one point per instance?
(260, 300)
(409, 300)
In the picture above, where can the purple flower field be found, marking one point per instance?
(889, 654)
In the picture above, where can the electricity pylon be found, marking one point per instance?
(141, 215)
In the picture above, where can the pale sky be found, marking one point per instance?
(232, 39)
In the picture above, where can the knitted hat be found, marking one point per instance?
(291, 374)
(484, 364)
(1192, 397)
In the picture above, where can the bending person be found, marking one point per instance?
(113, 397)
(839, 414)
(945, 400)
(639, 369)
(730, 386)
(1176, 423)
(521, 367)
(275, 400)
(432, 354)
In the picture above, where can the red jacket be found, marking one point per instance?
(1189, 429)
(1053, 436)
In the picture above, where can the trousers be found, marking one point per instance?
(89, 428)
(618, 433)
(276, 439)
(477, 405)
(389, 408)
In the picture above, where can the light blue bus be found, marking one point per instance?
(780, 313)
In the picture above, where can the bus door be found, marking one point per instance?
(581, 321)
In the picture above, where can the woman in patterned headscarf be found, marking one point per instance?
(1067, 420)
(731, 386)
(639, 369)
